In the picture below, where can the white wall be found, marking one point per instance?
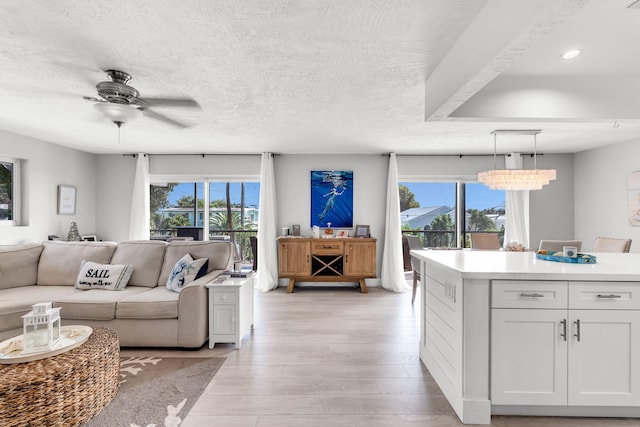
(45, 166)
(550, 209)
(114, 184)
(601, 193)
(293, 182)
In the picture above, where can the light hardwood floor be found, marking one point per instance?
(333, 357)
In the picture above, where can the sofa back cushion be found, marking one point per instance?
(60, 261)
(220, 255)
(19, 265)
(146, 256)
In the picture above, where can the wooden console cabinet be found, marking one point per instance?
(326, 260)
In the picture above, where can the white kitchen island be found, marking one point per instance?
(506, 333)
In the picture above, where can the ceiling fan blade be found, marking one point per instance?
(93, 99)
(172, 102)
(161, 117)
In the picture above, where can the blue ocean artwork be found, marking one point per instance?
(332, 198)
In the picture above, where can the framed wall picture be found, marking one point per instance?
(362, 231)
(332, 199)
(66, 199)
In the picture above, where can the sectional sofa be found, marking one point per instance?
(145, 313)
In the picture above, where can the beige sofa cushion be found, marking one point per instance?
(94, 304)
(146, 256)
(157, 303)
(16, 302)
(19, 266)
(220, 255)
(60, 261)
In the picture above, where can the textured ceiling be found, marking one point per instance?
(341, 76)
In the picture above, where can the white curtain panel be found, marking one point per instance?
(267, 275)
(140, 204)
(392, 270)
(516, 224)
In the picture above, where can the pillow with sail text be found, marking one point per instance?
(110, 277)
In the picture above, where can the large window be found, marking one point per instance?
(9, 191)
(179, 209)
(444, 214)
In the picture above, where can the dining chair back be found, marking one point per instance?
(414, 243)
(253, 242)
(557, 245)
(610, 244)
(485, 241)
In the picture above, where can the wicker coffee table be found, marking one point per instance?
(63, 390)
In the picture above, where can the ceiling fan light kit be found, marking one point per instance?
(118, 113)
(516, 179)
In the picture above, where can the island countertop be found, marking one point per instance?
(478, 264)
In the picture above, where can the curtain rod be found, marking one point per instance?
(191, 154)
(463, 155)
(383, 154)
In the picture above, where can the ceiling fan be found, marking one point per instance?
(122, 103)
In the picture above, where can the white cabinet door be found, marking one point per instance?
(602, 364)
(528, 357)
(224, 319)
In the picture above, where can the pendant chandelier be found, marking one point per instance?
(516, 179)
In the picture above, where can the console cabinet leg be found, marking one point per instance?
(292, 283)
(363, 286)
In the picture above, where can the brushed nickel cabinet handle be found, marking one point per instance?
(577, 334)
(564, 329)
(610, 296)
(527, 295)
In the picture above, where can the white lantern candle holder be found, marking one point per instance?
(41, 328)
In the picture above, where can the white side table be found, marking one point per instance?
(230, 309)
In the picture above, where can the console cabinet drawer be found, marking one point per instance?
(528, 294)
(224, 296)
(604, 295)
(327, 248)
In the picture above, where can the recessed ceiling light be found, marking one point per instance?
(571, 53)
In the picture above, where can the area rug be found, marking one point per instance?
(156, 391)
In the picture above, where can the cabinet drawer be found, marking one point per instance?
(327, 248)
(226, 296)
(528, 294)
(604, 295)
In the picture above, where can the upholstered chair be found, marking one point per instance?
(609, 244)
(485, 241)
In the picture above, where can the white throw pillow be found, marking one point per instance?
(185, 271)
(110, 277)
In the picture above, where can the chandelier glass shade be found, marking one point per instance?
(516, 179)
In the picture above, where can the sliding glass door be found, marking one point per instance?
(444, 214)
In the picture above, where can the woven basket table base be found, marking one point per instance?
(63, 390)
